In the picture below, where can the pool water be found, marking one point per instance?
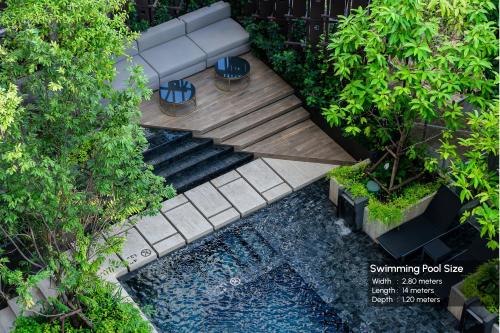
(290, 267)
(234, 283)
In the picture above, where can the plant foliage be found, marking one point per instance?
(484, 284)
(410, 61)
(475, 171)
(71, 154)
(307, 71)
(390, 211)
(104, 307)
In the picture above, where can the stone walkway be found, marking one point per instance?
(208, 207)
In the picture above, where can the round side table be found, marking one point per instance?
(175, 96)
(232, 73)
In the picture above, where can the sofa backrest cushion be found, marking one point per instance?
(205, 16)
(160, 34)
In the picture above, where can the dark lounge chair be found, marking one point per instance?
(440, 218)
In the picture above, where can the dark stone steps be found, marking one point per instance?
(193, 158)
(171, 154)
(201, 173)
(160, 139)
(186, 162)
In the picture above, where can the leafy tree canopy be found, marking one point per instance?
(406, 61)
(71, 147)
(412, 60)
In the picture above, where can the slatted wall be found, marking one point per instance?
(317, 15)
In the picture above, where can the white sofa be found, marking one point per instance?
(184, 46)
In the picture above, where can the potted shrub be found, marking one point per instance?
(382, 213)
(483, 284)
(391, 71)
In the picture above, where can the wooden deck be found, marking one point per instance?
(265, 118)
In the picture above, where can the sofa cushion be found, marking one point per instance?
(205, 16)
(123, 73)
(160, 34)
(230, 53)
(173, 56)
(185, 72)
(220, 37)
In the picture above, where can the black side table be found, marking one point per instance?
(231, 70)
(174, 95)
(436, 250)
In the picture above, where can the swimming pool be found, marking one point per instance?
(290, 267)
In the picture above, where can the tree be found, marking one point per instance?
(71, 146)
(475, 172)
(408, 61)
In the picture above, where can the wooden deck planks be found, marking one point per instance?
(253, 119)
(250, 119)
(216, 107)
(302, 142)
(267, 129)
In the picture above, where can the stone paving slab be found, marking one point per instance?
(47, 288)
(243, 197)
(259, 175)
(224, 218)
(225, 178)
(174, 202)
(207, 199)
(136, 251)
(155, 228)
(189, 221)
(277, 192)
(170, 244)
(298, 174)
(37, 298)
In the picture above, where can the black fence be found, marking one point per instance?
(317, 17)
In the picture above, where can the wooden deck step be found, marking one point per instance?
(253, 119)
(267, 129)
(215, 107)
(303, 142)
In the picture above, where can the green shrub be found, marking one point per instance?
(133, 20)
(103, 308)
(348, 175)
(484, 284)
(309, 73)
(391, 211)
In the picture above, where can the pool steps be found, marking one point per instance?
(186, 162)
